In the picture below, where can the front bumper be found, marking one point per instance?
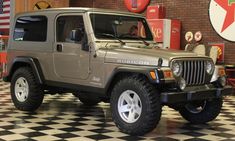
(176, 97)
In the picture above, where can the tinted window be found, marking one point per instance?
(31, 28)
(65, 25)
(122, 27)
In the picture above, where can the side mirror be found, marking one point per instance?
(76, 35)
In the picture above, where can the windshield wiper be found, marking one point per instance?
(110, 35)
(146, 43)
(135, 37)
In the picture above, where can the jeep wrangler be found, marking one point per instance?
(93, 54)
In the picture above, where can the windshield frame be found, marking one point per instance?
(146, 25)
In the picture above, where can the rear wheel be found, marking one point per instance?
(26, 92)
(201, 111)
(135, 106)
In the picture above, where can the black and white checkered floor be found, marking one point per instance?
(63, 117)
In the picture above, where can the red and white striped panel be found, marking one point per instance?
(4, 14)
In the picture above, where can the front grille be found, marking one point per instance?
(194, 71)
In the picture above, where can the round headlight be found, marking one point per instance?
(176, 68)
(209, 67)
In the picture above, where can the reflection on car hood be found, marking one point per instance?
(143, 56)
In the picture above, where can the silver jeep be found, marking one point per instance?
(110, 56)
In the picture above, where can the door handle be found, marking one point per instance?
(59, 47)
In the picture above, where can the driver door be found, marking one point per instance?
(70, 61)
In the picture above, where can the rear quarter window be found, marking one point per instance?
(31, 28)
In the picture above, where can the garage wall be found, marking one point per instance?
(194, 17)
(108, 4)
(28, 5)
(192, 14)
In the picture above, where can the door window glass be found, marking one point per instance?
(65, 26)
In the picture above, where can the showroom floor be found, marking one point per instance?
(63, 117)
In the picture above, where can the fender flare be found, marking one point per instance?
(139, 70)
(32, 62)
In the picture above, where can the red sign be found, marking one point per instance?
(157, 29)
(222, 17)
(136, 6)
(220, 57)
(175, 34)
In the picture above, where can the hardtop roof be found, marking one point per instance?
(76, 9)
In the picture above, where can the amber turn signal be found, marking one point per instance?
(153, 75)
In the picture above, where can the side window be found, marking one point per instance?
(65, 25)
(31, 28)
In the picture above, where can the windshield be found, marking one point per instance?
(120, 27)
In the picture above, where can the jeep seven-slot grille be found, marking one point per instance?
(194, 72)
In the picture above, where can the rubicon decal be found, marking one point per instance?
(222, 17)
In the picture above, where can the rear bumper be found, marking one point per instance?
(175, 97)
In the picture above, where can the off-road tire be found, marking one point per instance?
(151, 106)
(210, 111)
(86, 100)
(35, 92)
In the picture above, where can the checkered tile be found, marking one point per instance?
(63, 117)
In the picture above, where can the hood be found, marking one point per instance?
(142, 56)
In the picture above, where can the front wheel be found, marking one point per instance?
(26, 92)
(135, 105)
(201, 111)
